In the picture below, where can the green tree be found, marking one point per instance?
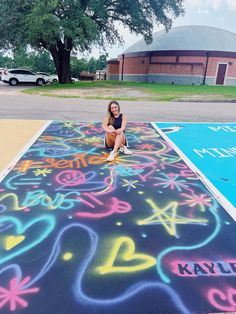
(60, 26)
(20, 58)
(41, 62)
(92, 65)
(5, 62)
(77, 66)
(102, 62)
(38, 62)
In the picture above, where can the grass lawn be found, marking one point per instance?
(147, 91)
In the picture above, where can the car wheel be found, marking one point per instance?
(54, 80)
(40, 82)
(13, 82)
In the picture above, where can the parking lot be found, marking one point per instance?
(156, 171)
(15, 105)
(6, 89)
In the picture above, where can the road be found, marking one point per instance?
(15, 105)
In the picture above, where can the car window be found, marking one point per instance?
(27, 72)
(21, 72)
(15, 71)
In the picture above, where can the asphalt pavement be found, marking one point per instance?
(15, 105)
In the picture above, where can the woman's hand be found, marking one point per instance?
(111, 130)
(119, 131)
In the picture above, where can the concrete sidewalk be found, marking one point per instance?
(14, 135)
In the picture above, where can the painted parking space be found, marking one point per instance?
(211, 148)
(141, 234)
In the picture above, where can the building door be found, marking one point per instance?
(221, 74)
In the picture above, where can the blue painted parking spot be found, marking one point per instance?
(211, 147)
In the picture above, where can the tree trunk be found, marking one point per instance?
(61, 57)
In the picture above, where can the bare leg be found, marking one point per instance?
(119, 140)
(110, 140)
(115, 141)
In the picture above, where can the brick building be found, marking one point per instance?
(184, 55)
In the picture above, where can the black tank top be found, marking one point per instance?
(117, 122)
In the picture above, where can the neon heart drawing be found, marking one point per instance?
(48, 224)
(124, 251)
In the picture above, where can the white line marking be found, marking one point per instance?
(228, 206)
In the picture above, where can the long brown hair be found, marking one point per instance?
(111, 117)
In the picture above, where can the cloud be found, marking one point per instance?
(216, 4)
(193, 4)
(231, 4)
(203, 11)
(205, 5)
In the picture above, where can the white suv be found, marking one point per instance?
(16, 76)
(51, 77)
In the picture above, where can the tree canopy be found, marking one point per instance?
(60, 26)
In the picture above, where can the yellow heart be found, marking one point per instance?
(139, 261)
(12, 241)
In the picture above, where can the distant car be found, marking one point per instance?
(52, 77)
(17, 76)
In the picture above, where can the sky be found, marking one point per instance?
(215, 13)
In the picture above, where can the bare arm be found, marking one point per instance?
(106, 127)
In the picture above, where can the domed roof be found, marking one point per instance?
(188, 38)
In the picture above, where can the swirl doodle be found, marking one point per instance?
(134, 235)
